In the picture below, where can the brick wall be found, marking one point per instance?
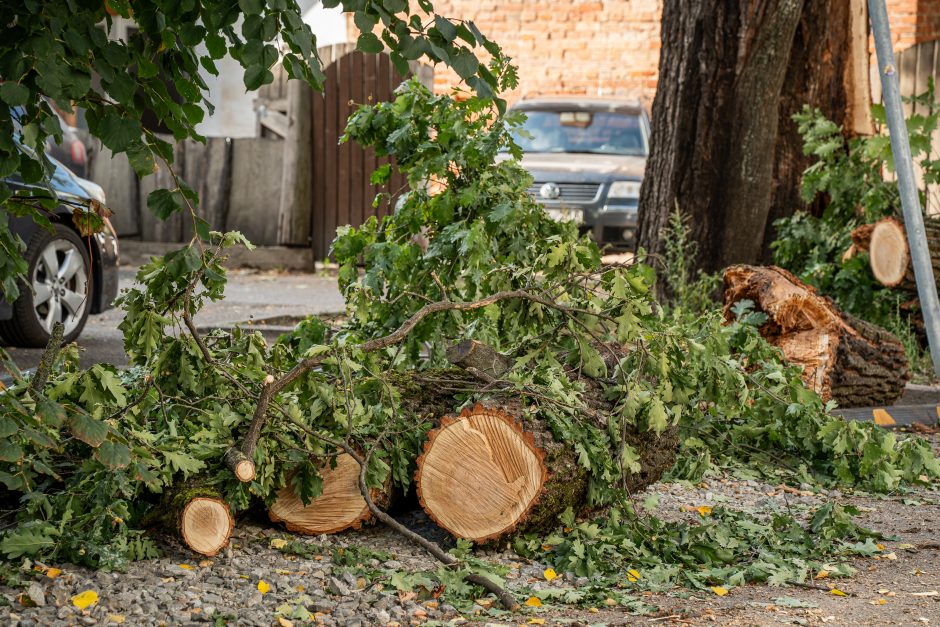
(913, 21)
(608, 47)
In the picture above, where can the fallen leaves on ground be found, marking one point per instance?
(534, 602)
(263, 586)
(720, 591)
(550, 574)
(84, 599)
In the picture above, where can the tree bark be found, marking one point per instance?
(855, 363)
(724, 147)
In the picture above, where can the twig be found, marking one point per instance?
(49, 355)
(810, 586)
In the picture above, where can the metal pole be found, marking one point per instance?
(903, 164)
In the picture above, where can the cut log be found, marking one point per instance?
(888, 253)
(198, 514)
(497, 469)
(480, 474)
(238, 463)
(885, 241)
(853, 362)
(206, 525)
(470, 354)
(339, 507)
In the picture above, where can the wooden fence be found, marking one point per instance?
(916, 66)
(293, 185)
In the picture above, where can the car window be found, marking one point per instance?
(596, 132)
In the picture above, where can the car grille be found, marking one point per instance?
(583, 193)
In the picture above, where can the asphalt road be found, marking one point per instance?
(250, 296)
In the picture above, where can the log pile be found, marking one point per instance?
(490, 471)
(844, 359)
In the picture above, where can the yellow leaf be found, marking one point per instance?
(593, 610)
(546, 547)
(299, 588)
(881, 601)
(703, 510)
(185, 566)
(881, 547)
(536, 621)
(278, 543)
(550, 574)
(534, 602)
(263, 586)
(116, 618)
(633, 576)
(283, 622)
(822, 574)
(837, 592)
(84, 599)
(720, 591)
(52, 573)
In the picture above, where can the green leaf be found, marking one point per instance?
(657, 420)
(14, 94)
(465, 63)
(369, 43)
(256, 76)
(118, 132)
(164, 202)
(89, 430)
(251, 7)
(181, 462)
(25, 542)
(10, 451)
(8, 426)
(113, 454)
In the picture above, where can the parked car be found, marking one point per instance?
(587, 156)
(69, 276)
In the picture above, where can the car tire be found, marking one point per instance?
(58, 289)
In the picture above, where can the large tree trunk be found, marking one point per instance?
(718, 116)
(828, 69)
(844, 359)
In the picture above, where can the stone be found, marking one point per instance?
(36, 594)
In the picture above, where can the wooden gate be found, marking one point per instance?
(342, 193)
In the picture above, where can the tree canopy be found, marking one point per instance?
(59, 53)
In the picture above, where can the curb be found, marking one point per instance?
(136, 253)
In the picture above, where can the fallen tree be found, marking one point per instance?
(585, 376)
(848, 360)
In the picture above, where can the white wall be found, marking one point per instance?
(234, 114)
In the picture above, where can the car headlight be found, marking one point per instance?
(624, 189)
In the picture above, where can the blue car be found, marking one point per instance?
(69, 276)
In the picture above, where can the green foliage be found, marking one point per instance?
(723, 547)
(88, 457)
(51, 52)
(849, 178)
(694, 296)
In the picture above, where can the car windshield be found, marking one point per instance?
(593, 132)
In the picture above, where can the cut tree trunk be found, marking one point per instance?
(497, 469)
(885, 241)
(853, 362)
(339, 507)
(198, 514)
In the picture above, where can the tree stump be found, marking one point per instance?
(339, 507)
(885, 241)
(853, 362)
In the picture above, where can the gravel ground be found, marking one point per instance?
(254, 583)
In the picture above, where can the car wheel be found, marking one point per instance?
(58, 291)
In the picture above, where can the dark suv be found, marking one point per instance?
(68, 276)
(587, 156)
